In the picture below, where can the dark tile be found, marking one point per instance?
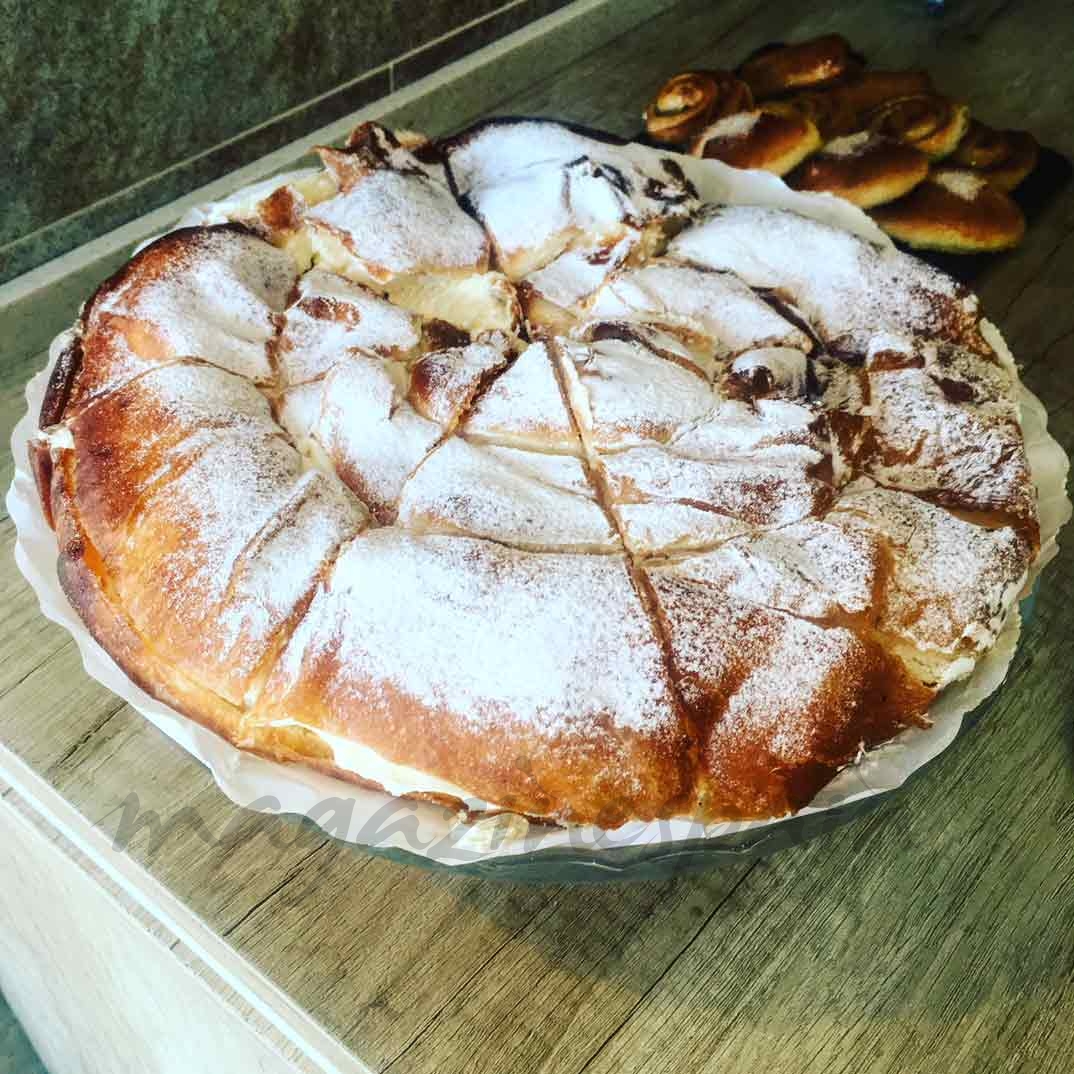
(63, 235)
(100, 96)
(17, 1055)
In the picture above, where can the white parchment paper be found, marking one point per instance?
(375, 818)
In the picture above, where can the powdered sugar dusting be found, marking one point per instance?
(447, 541)
(953, 583)
(848, 290)
(525, 406)
(521, 498)
(715, 305)
(810, 568)
(331, 317)
(569, 184)
(624, 394)
(759, 677)
(849, 145)
(208, 293)
(536, 626)
(395, 223)
(963, 184)
(925, 442)
(736, 125)
(373, 436)
(578, 272)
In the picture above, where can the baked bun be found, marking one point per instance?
(1003, 158)
(843, 109)
(955, 210)
(870, 89)
(928, 122)
(688, 102)
(782, 69)
(863, 168)
(759, 139)
(738, 499)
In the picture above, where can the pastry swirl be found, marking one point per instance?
(927, 121)
(689, 101)
(1003, 158)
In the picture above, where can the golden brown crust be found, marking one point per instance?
(762, 140)
(84, 579)
(936, 217)
(172, 482)
(1003, 158)
(758, 757)
(61, 383)
(782, 69)
(871, 89)
(844, 109)
(866, 170)
(689, 101)
(927, 121)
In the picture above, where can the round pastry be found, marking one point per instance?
(844, 109)
(928, 122)
(1003, 158)
(954, 210)
(689, 101)
(863, 168)
(781, 69)
(871, 89)
(760, 139)
(743, 508)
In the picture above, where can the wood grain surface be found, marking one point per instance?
(936, 933)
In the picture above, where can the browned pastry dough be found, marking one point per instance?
(689, 101)
(866, 169)
(871, 89)
(787, 68)
(622, 571)
(1004, 158)
(763, 140)
(954, 210)
(843, 108)
(927, 121)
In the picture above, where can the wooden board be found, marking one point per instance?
(936, 933)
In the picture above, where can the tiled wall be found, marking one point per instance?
(101, 96)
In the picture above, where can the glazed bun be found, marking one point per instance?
(1003, 158)
(759, 139)
(954, 210)
(927, 121)
(864, 168)
(783, 69)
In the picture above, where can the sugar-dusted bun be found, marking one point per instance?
(686, 103)
(783, 69)
(864, 168)
(759, 139)
(1003, 158)
(926, 121)
(954, 210)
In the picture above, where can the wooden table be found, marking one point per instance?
(937, 933)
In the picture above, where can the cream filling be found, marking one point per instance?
(396, 779)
